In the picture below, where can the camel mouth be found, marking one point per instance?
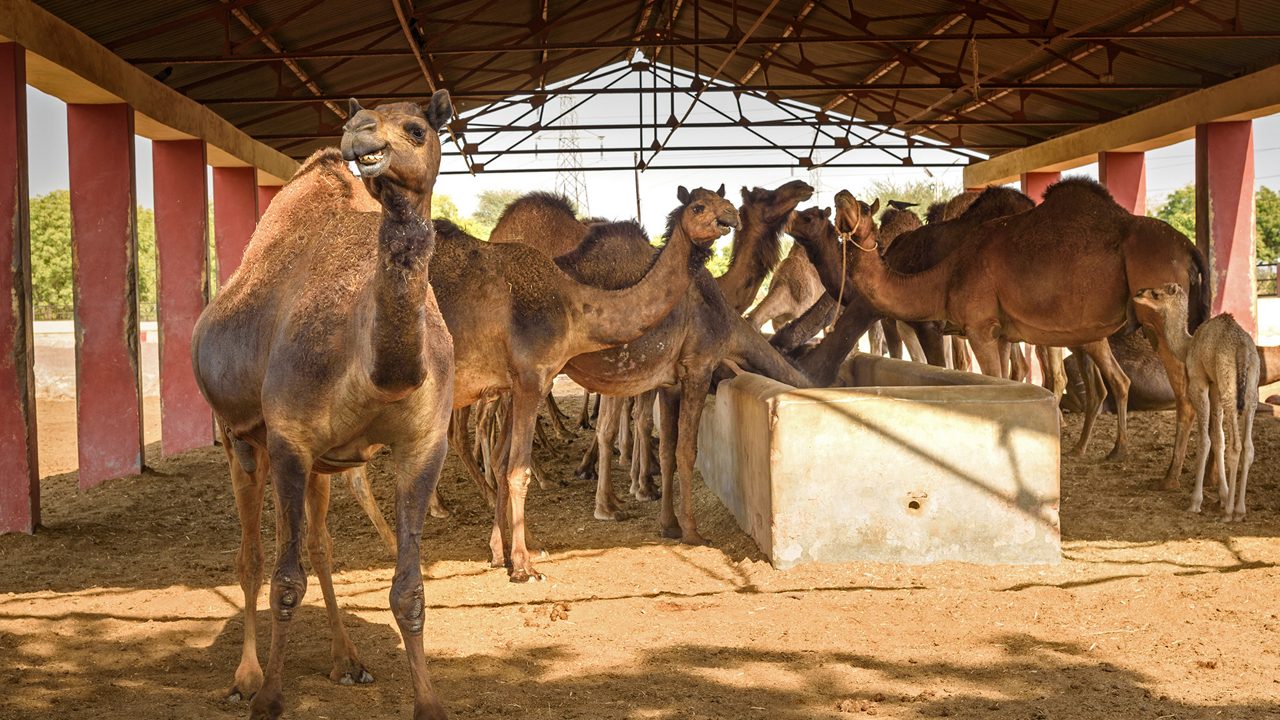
(373, 164)
(724, 226)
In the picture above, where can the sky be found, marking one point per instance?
(613, 194)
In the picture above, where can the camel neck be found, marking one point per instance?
(755, 254)
(915, 297)
(400, 288)
(1175, 331)
(615, 317)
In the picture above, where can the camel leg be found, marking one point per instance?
(1199, 397)
(1055, 371)
(1019, 370)
(1227, 453)
(607, 503)
(497, 462)
(584, 471)
(875, 339)
(347, 668)
(990, 355)
(249, 489)
(911, 341)
(1246, 458)
(642, 486)
(892, 339)
(1100, 352)
(524, 410)
(584, 417)
(363, 494)
(959, 353)
(623, 427)
(693, 396)
(772, 306)
(459, 431)
(668, 430)
(1095, 395)
(557, 418)
(290, 466)
(419, 470)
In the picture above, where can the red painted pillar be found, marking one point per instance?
(266, 193)
(180, 192)
(1035, 183)
(1225, 216)
(20, 479)
(1125, 176)
(235, 213)
(105, 262)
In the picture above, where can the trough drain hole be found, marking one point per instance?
(914, 504)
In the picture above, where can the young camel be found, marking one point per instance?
(1061, 274)
(678, 357)
(324, 346)
(1222, 380)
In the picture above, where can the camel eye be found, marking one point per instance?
(415, 131)
(698, 209)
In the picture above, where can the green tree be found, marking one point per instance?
(921, 192)
(443, 207)
(489, 207)
(51, 256)
(1179, 210)
(1267, 231)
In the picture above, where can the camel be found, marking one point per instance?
(1222, 380)
(324, 346)
(756, 246)
(912, 251)
(516, 319)
(1060, 274)
(794, 289)
(678, 357)
(541, 220)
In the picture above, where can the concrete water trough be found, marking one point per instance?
(904, 463)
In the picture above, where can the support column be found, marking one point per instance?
(1225, 217)
(235, 213)
(266, 193)
(180, 191)
(20, 479)
(1125, 176)
(1035, 183)
(105, 270)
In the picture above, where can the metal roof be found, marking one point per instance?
(991, 75)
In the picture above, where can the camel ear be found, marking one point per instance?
(353, 107)
(439, 109)
(746, 194)
(720, 192)
(875, 206)
(1172, 288)
(826, 213)
(682, 194)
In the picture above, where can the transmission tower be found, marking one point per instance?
(571, 181)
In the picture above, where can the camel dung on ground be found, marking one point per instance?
(325, 345)
(1222, 381)
(1061, 274)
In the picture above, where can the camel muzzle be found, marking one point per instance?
(368, 151)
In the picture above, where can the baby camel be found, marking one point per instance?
(1222, 373)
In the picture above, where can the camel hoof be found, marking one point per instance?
(1117, 455)
(671, 532)
(245, 689)
(693, 538)
(439, 512)
(526, 576)
(585, 474)
(648, 494)
(1194, 509)
(616, 515)
(237, 695)
(357, 676)
(266, 709)
(1076, 452)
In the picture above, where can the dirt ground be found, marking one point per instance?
(125, 605)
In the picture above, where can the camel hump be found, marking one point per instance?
(1077, 183)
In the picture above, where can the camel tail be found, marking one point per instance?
(1198, 310)
(753, 352)
(1242, 374)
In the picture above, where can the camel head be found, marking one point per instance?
(772, 206)
(705, 216)
(398, 145)
(1165, 300)
(811, 225)
(854, 217)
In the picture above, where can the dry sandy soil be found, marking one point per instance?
(125, 605)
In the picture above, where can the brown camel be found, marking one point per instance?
(757, 244)
(1222, 381)
(516, 319)
(324, 346)
(1061, 274)
(542, 220)
(678, 356)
